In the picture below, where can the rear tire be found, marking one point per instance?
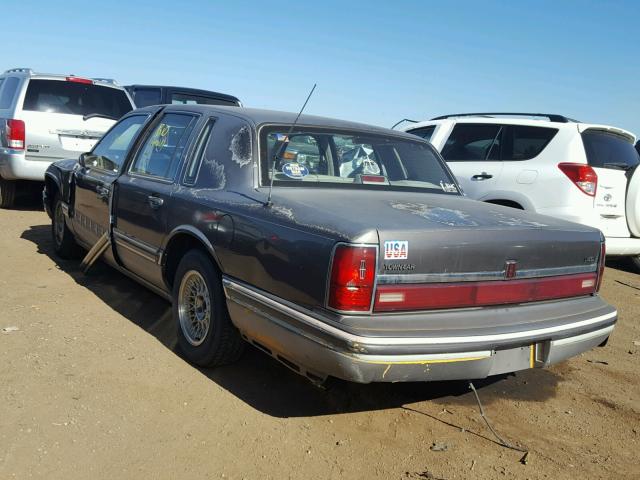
(634, 263)
(64, 242)
(7, 193)
(206, 335)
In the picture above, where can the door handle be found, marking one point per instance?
(103, 192)
(155, 202)
(482, 176)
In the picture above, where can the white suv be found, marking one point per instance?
(549, 164)
(46, 117)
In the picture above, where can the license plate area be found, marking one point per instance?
(520, 358)
(77, 144)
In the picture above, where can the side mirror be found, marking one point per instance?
(82, 159)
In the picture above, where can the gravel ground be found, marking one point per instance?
(92, 387)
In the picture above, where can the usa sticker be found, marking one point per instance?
(396, 250)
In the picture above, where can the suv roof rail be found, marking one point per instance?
(19, 70)
(403, 120)
(551, 116)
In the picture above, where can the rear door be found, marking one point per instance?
(66, 117)
(143, 192)
(613, 158)
(473, 152)
(94, 181)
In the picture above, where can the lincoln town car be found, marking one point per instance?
(340, 249)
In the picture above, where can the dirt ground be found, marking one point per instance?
(92, 387)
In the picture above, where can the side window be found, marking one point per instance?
(143, 97)
(473, 142)
(110, 152)
(9, 87)
(524, 142)
(424, 132)
(162, 151)
(191, 175)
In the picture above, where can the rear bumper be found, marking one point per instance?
(623, 246)
(312, 346)
(15, 166)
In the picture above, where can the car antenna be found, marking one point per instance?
(283, 146)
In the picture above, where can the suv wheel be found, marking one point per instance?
(206, 335)
(634, 263)
(7, 193)
(63, 241)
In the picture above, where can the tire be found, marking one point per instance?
(64, 242)
(7, 193)
(206, 335)
(634, 263)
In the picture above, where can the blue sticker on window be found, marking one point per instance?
(295, 170)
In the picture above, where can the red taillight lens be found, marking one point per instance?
(583, 176)
(601, 261)
(427, 296)
(15, 133)
(88, 81)
(352, 277)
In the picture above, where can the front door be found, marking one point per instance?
(143, 192)
(95, 179)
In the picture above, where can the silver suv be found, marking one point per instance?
(44, 118)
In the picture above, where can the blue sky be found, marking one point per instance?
(375, 62)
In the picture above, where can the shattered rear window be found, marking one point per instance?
(321, 157)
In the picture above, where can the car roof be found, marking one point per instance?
(30, 74)
(578, 126)
(260, 117)
(194, 91)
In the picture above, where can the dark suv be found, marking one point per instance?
(146, 95)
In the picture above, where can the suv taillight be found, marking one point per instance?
(601, 261)
(582, 175)
(352, 278)
(14, 131)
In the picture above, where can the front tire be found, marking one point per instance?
(7, 193)
(63, 240)
(206, 335)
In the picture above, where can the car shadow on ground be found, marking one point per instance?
(272, 388)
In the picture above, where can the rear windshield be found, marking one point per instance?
(319, 157)
(56, 96)
(608, 150)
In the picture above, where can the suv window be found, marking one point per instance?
(74, 98)
(110, 152)
(143, 97)
(162, 151)
(524, 142)
(473, 142)
(190, 99)
(10, 86)
(608, 150)
(424, 132)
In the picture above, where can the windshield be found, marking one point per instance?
(56, 96)
(319, 157)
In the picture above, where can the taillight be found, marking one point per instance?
(14, 132)
(601, 261)
(432, 296)
(582, 175)
(352, 278)
(88, 81)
